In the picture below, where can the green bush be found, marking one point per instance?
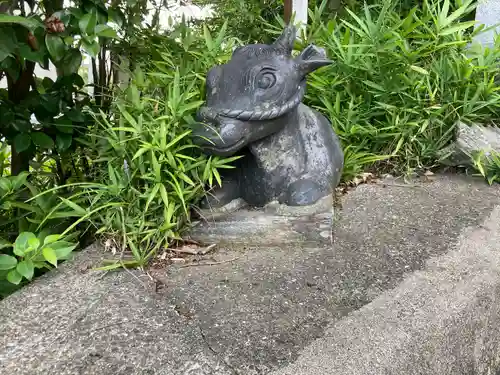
(488, 165)
(401, 81)
(146, 172)
(28, 253)
(244, 18)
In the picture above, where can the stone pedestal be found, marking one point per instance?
(274, 224)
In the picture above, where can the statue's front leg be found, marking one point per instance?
(222, 195)
(304, 192)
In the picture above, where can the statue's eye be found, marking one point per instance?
(266, 80)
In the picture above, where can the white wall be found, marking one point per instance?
(173, 15)
(488, 13)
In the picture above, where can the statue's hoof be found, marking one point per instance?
(303, 192)
(221, 196)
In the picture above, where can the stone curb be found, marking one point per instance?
(442, 320)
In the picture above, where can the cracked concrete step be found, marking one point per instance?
(442, 320)
(265, 310)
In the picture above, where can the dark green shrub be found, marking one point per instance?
(400, 82)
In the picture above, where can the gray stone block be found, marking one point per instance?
(274, 225)
(471, 139)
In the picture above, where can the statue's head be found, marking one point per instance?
(251, 96)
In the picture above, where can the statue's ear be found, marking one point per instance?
(286, 39)
(312, 58)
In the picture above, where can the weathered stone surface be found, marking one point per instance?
(256, 313)
(471, 139)
(444, 319)
(274, 225)
(290, 152)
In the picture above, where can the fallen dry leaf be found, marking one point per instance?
(178, 260)
(429, 176)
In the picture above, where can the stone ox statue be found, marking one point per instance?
(291, 153)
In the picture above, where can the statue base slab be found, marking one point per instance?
(273, 225)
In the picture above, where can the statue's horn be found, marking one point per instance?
(286, 39)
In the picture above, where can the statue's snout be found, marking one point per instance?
(222, 137)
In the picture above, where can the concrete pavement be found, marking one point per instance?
(410, 286)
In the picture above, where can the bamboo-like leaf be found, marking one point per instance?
(217, 176)
(462, 10)
(141, 151)
(186, 178)
(454, 29)
(74, 206)
(127, 116)
(419, 69)
(208, 38)
(152, 195)
(156, 166)
(164, 194)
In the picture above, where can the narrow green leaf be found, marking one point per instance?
(208, 38)
(156, 166)
(152, 195)
(186, 178)
(419, 69)
(5, 244)
(177, 139)
(164, 195)
(133, 95)
(444, 12)
(74, 206)
(462, 10)
(221, 34)
(127, 116)
(112, 175)
(176, 91)
(374, 85)
(217, 176)
(140, 152)
(109, 267)
(460, 27)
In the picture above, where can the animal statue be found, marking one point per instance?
(254, 108)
